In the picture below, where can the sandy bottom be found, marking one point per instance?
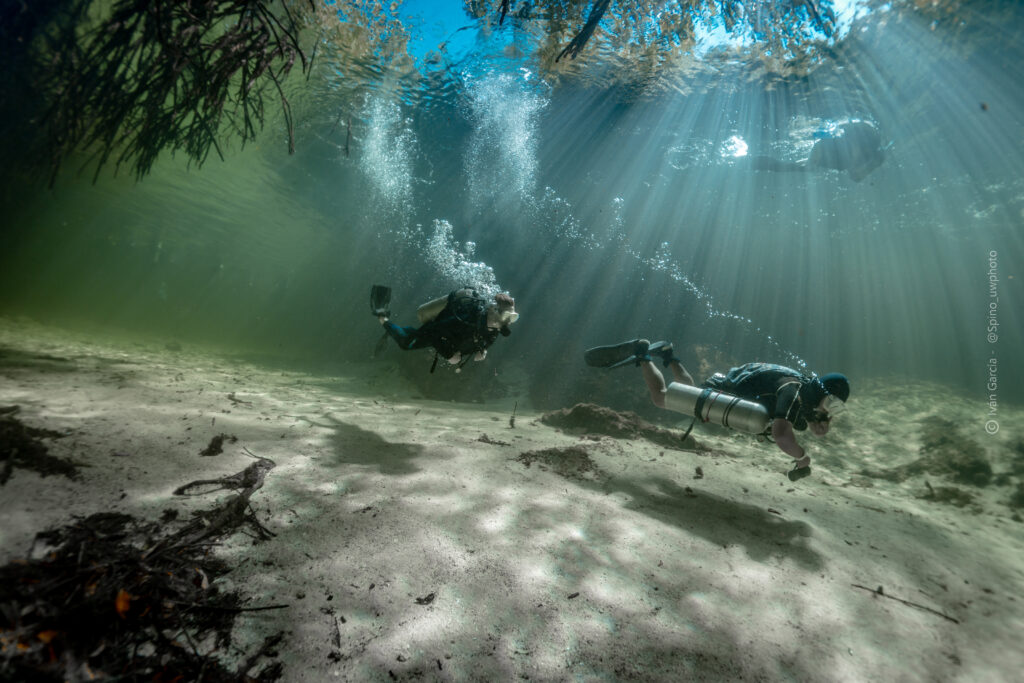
(424, 539)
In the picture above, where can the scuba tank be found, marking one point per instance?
(712, 405)
(431, 309)
(464, 304)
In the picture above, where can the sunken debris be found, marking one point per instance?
(21, 446)
(572, 462)
(216, 446)
(114, 596)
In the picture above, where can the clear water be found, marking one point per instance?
(613, 199)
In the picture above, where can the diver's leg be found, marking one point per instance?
(679, 372)
(655, 382)
(405, 337)
(664, 351)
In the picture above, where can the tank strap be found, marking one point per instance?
(698, 408)
(689, 429)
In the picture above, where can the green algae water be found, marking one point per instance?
(613, 195)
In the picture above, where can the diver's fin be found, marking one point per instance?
(798, 473)
(617, 355)
(663, 350)
(380, 299)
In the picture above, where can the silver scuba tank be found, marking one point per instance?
(711, 405)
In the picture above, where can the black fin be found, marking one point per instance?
(617, 355)
(380, 299)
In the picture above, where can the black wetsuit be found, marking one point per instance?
(784, 392)
(461, 327)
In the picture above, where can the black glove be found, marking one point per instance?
(799, 473)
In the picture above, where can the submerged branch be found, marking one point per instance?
(577, 43)
(155, 76)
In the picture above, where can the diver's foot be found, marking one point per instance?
(614, 356)
(663, 350)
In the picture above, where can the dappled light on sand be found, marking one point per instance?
(415, 546)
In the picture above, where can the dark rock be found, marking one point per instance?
(1017, 458)
(1017, 499)
(572, 462)
(945, 452)
(950, 495)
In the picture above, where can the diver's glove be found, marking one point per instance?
(798, 473)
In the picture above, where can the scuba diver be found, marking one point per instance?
(759, 398)
(459, 326)
(855, 147)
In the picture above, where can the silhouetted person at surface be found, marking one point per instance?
(459, 326)
(855, 147)
(756, 397)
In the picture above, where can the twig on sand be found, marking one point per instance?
(238, 401)
(337, 631)
(879, 592)
(249, 479)
(229, 515)
(250, 609)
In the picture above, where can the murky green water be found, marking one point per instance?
(609, 211)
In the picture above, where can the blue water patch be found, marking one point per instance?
(439, 32)
(445, 37)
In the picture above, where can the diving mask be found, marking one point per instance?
(497, 317)
(832, 405)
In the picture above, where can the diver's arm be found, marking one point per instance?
(785, 439)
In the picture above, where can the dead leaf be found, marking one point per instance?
(123, 602)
